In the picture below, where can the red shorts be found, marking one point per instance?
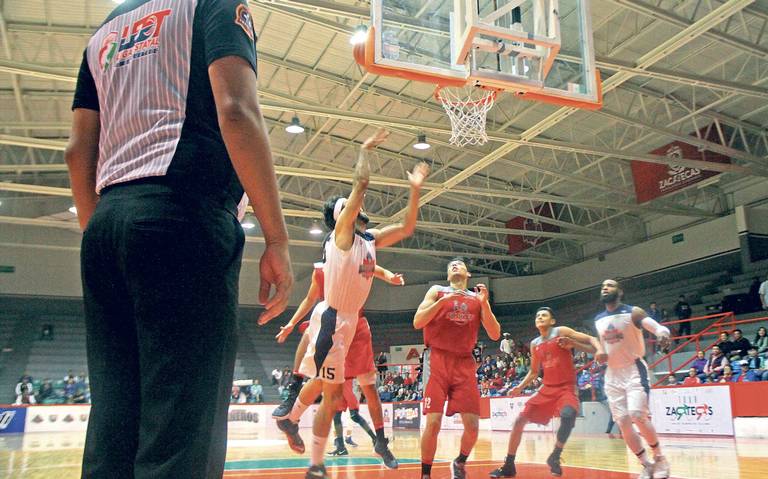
(349, 400)
(303, 326)
(549, 401)
(359, 358)
(452, 377)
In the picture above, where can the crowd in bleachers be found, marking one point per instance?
(70, 389)
(733, 359)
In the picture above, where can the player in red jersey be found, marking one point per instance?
(451, 317)
(359, 364)
(551, 352)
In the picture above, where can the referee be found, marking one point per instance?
(167, 135)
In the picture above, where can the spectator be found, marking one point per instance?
(725, 343)
(699, 364)
(655, 313)
(70, 375)
(683, 311)
(744, 374)
(46, 391)
(763, 292)
(716, 364)
(756, 363)
(671, 380)
(740, 345)
(507, 345)
(761, 342)
(754, 295)
(25, 392)
(46, 333)
(257, 392)
(234, 398)
(381, 361)
(477, 353)
(277, 374)
(727, 375)
(693, 377)
(70, 390)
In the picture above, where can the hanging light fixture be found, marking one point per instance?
(359, 36)
(315, 230)
(248, 223)
(421, 143)
(73, 210)
(295, 126)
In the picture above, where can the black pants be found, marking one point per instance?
(685, 329)
(160, 282)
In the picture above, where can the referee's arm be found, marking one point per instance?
(82, 152)
(242, 126)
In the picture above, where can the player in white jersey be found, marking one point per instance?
(350, 260)
(627, 385)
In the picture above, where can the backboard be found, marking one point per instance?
(540, 49)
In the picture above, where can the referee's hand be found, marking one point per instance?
(275, 270)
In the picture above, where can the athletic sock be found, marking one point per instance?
(318, 449)
(462, 457)
(643, 456)
(297, 411)
(656, 448)
(509, 460)
(426, 469)
(557, 451)
(380, 434)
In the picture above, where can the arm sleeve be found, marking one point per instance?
(653, 327)
(85, 91)
(228, 30)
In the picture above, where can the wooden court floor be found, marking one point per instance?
(266, 455)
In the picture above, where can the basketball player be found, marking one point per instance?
(451, 317)
(350, 260)
(315, 294)
(557, 397)
(619, 329)
(350, 402)
(358, 364)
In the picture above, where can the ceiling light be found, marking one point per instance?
(118, 1)
(295, 126)
(73, 210)
(315, 229)
(248, 224)
(360, 35)
(421, 143)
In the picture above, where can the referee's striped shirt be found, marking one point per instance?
(146, 71)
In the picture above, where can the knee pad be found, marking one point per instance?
(567, 423)
(568, 416)
(354, 414)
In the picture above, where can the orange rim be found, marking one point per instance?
(481, 101)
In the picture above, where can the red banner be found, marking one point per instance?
(518, 243)
(653, 180)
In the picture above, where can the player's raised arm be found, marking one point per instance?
(392, 234)
(580, 341)
(488, 319)
(388, 276)
(350, 208)
(428, 308)
(313, 295)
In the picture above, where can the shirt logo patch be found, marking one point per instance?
(460, 313)
(367, 267)
(136, 41)
(244, 19)
(612, 335)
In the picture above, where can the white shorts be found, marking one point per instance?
(627, 389)
(330, 334)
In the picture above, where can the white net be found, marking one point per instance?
(467, 107)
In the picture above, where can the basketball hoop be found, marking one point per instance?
(467, 107)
